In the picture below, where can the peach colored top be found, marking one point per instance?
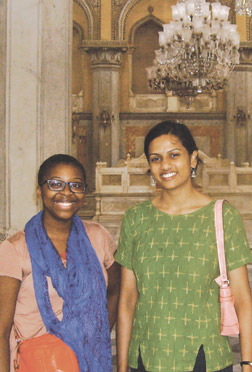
(15, 262)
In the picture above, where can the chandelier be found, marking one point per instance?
(159, 80)
(198, 49)
(243, 7)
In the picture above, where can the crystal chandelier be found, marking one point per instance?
(198, 49)
(159, 80)
(243, 7)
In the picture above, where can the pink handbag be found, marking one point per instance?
(229, 320)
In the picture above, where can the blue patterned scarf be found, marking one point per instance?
(84, 326)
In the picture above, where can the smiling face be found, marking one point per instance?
(170, 162)
(61, 205)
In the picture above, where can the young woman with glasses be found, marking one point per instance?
(58, 282)
(169, 312)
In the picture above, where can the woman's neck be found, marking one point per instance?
(57, 227)
(176, 202)
(58, 232)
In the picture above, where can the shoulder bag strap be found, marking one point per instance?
(218, 219)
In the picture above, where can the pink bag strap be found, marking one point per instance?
(218, 220)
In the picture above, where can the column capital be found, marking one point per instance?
(103, 52)
(245, 56)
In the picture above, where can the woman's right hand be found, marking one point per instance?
(9, 288)
(126, 308)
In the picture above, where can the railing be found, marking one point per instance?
(228, 179)
(218, 178)
(120, 187)
(125, 180)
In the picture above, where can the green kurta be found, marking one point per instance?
(174, 258)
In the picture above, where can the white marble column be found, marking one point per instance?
(36, 46)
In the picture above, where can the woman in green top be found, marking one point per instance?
(169, 314)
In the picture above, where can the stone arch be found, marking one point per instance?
(124, 13)
(92, 14)
(79, 29)
(140, 23)
(122, 19)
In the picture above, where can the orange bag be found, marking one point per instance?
(45, 353)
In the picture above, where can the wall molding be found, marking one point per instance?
(172, 115)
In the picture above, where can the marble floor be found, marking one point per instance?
(234, 341)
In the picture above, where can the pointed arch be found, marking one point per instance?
(129, 5)
(143, 37)
(92, 18)
(79, 29)
(142, 22)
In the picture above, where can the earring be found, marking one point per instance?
(193, 172)
(153, 182)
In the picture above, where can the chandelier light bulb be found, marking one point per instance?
(198, 25)
(216, 10)
(162, 38)
(190, 8)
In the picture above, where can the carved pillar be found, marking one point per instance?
(238, 130)
(35, 75)
(106, 63)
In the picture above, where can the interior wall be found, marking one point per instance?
(208, 134)
(145, 43)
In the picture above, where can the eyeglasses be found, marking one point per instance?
(58, 185)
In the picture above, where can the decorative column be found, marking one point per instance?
(106, 63)
(36, 52)
(238, 130)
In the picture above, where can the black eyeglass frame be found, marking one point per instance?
(64, 185)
